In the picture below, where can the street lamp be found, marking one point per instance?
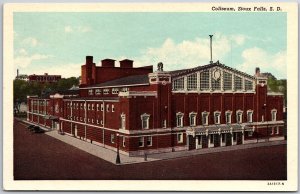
(118, 160)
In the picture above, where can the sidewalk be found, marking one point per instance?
(110, 155)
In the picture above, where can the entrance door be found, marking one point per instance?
(192, 142)
(199, 141)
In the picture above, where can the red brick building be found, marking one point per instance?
(141, 111)
(44, 78)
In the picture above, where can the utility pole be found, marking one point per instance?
(211, 61)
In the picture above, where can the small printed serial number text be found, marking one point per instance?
(275, 183)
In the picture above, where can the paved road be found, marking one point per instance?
(40, 157)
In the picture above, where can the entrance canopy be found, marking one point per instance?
(217, 129)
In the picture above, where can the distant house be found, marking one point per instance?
(44, 78)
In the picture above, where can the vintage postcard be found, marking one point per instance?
(150, 97)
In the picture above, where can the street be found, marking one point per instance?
(41, 157)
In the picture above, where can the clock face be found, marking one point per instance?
(216, 74)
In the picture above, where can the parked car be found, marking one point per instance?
(37, 129)
(30, 127)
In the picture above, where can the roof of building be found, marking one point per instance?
(178, 73)
(95, 98)
(124, 81)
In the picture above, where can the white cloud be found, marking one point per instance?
(68, 29)
(258, 57)
(81, 29)
(189, 53)
(30, 41)
(23, 60)
(22, 51)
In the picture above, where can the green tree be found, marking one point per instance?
(278, 86)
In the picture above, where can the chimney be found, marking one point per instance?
(126, 63)
(211, 61)
(108, 63)
(257, 71)
(17, 72)
(89, 60)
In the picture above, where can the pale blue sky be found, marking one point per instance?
(57, 43)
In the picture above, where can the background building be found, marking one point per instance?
(44, 78)
(141, 111)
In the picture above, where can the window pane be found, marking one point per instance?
(178, 84)
(248, 85)
(216, 84)
(204, 80)
(227, 81)
(192, 82)
(237, 83)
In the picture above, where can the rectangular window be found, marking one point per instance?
(237, 83)
(274, 114)
(107, 108)
(277, 130)
(149, 140)
(122, 121)
(217, 118)
(141, 141)
(216, 84)
(272, 131)
(91, 92)
(192, 82)
(112, 138)
(164, 124)
(98, 91)
(112, 108)
(248, 85)
(204, 118)
(89, 107)
(249, 116)
(125, 89)
(106, 91)
(81, 105)
(145, 121)
(92, 106)
(97, 107)
(192, 119)
(124, 141)
(102, 107)
(204, 80)
(178, 84)
(239, 117)
(228, 117)
(115, 91)
(227, 81)
(179, 137)
(179, 120)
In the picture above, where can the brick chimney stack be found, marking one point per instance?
(88, 60)
(257, 71)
